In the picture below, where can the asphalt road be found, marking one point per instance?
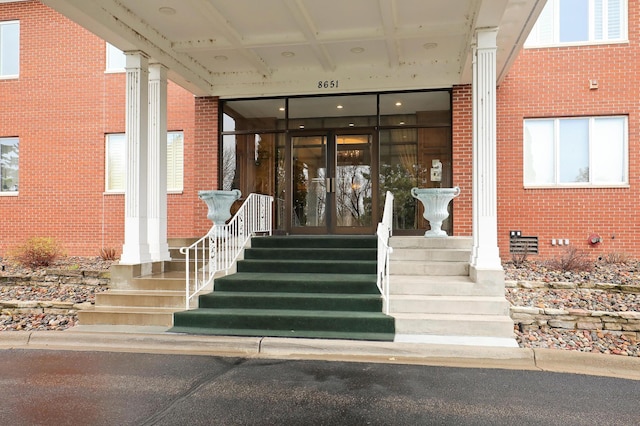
(103, 388)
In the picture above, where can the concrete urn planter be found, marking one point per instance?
(435, 202)
(219, 203)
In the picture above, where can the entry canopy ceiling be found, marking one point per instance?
(251, 48)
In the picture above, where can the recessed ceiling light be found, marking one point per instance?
(302, 126)
(167, 10)
(339, 107)
(402, 123)
(398, 103)
(288, 54)
(430, 45)
(281, 109)
(220, 58)
(351, 124)
(357, 49)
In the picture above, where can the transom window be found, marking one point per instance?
(565, 22)
(116, 162)
(586, 151)
(9, 49)
(9, 165)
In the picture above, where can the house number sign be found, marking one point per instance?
(328, 84)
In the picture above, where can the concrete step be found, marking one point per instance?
(437, 286)
(432, 268)
(151, 298)
(167, 281)
(468, 305)
(123, 315)
(422, 255)
(498, 326)
(176, 243)
(431, 243)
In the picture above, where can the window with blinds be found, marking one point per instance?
(566, 22)
(9, 49)
(116, 162)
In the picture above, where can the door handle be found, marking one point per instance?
(330, 183)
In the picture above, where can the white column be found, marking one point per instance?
(157, 182)
(485, 256)
(136, 246)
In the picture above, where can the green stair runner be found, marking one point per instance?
(296, 286)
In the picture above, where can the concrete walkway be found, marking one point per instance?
(157, 340)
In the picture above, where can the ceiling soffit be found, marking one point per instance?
(254, 48)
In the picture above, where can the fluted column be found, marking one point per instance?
(136, 247)
(157, 182)
(485, 257)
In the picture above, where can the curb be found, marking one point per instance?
(549, 360)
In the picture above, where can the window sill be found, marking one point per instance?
(620, 186)
(8, 194)
(576, 44)
(175, 192)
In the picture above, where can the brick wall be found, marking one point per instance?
(462, 132)
(554, 82)
(60, 107)
(63, 104)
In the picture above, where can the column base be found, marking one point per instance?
(491, 279)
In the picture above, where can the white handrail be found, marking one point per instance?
(384, 231)
(220, 248)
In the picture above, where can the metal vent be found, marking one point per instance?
(521, 245)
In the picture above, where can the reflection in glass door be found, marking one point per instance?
(332, 186)
(353, 183)
(309, 168)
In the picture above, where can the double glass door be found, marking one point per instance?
(333, 182)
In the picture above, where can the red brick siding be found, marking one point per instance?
(554, 82)
(60, 107)
(462, 159)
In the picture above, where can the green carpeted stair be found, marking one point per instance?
(296, 286)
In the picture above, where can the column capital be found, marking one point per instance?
(157, 71)
(486, 37)
(136, 59)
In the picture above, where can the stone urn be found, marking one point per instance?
(435, 202)
(219, 203)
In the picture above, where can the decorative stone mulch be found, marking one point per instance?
(608, 287)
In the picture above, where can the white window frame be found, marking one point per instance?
(3, 45)
(115, 59)
(120, 168)
(9, 191)
(556, 155)
(175, 162)
(552, 12)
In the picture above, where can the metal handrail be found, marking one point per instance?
(220, 248)
(384, 231)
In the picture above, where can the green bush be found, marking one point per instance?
(37, 252)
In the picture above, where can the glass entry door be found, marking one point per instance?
(333, 185)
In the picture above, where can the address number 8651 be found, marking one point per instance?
(328, 84)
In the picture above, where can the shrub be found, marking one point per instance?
(37, 252)
(108, 253)
(615, 258)
(519, 258)
(571, 260)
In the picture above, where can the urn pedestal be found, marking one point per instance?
(219, 203)
(435, 202)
